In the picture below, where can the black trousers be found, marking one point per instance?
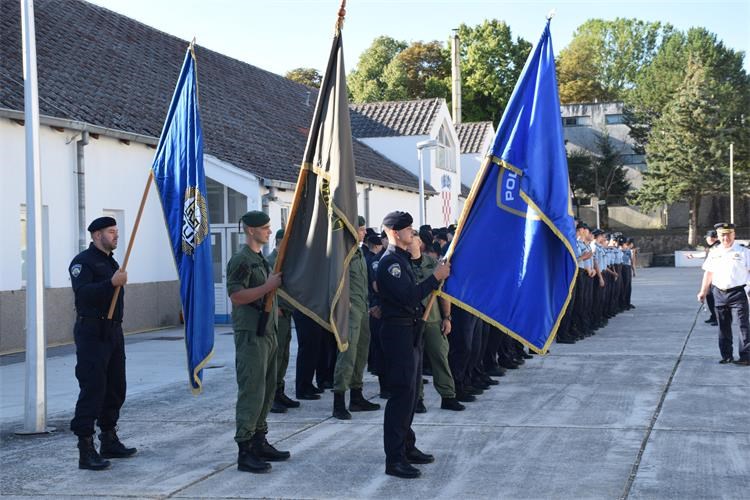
(494, 338)
(579, 324)
(598, 301)
(403, 370)
(326, 358)
(461, 341)
(710, 302)
(309, 341)
(375, 358)
(563, 331)
(100, 370)
(732, 302)
(627, 285)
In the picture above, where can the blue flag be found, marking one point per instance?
(513, 258)
(181, 182)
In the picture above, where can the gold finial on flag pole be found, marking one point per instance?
(342, 15)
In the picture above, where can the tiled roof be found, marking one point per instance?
(102, 68)
(394, 118)
(471, 135)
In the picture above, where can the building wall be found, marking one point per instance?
(115, 177)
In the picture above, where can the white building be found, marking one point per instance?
(105, 82)
(394, 129)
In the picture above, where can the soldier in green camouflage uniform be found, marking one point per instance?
(437, 327)
(284, 337)
(350, 364)
(249, 280)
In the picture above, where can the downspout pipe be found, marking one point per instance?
(81, 184)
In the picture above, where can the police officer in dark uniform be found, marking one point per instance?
(402, 310)
(100, 349)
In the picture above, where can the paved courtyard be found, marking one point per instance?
(640, 410)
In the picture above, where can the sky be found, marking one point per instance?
(279, 35)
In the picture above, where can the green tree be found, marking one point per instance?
(687, 149)
(366, 82)
(306, 76)
(604, 58)
(422, 70)
(656, 86)
(491, 62)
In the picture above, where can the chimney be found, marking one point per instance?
(456, 78)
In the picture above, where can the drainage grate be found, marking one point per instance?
(168, 338)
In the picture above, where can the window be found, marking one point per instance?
(445, 152)
(284, 216)
(45, 245)
(576, 121)
(614, 119)
(215, 192)
(237, 205)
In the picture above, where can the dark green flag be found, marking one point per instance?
(321, 235)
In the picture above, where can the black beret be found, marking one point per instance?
(374, 239)
(426, 240)
(279, 234)
(436, 247)
(397, 220)
(711, 233)
(425, 227)
(724, 227)
(361, 221)
(370, 231)
(441, 236)
(256, 218)
(101, 223)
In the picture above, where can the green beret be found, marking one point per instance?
(361, 221)
(101, 223)
(279, 234)
(255, 218)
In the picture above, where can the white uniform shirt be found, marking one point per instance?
(730, 266)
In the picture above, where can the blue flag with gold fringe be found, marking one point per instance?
(513, 259)
(181, 182)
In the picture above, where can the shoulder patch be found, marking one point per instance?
(394, 270)
(75, 270)
(375, 265)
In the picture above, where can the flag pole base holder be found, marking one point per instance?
(24, 432)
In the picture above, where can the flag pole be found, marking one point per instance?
(35, 405)
(132, 238)
(301, 180)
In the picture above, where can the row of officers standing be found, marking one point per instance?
(391, 279)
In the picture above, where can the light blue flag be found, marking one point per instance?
(513, 258)
(181, 182)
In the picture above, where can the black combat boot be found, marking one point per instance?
(420, 407)
(112, 447)
(357, 402)
(285, 400)
(451, 404)
(88, 458)
(247, 460)
(339, 407)
(263, 449)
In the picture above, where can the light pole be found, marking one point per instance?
(579, 195)
(429, 144)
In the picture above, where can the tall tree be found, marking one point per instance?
(657, 84)
(604, 58)
(422, 70)
(366, 82)
(687, 150)
(491, 62)
(306, 76)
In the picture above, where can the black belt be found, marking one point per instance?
(401, 321)
(91, 319)
(733, 289)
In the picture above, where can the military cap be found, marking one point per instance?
(581, 225)
(597, 232)
(425, 227)
(361, 221)
(397, 220)
(711, 233)
(101, 223)
(441, 236)
(437, 248)
(280, 234)
(724, 227)
(621, 240)
(255, 218)
(374, 239)
(370, 232)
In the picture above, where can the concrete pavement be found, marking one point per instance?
(640, 410)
